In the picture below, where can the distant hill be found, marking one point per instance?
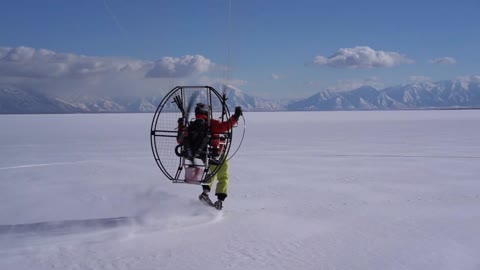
(458, 93)
(19, 101)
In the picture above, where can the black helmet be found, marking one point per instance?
(201, 109)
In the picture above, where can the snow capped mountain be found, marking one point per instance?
(138, 104)
(463, 92)
(459, 93)
(250, 103)
(324, 100)
(16, 101)
(364, 98)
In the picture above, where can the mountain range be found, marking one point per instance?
(457, 93)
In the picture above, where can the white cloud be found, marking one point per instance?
(275, 76)
(37, 63)
(237, 82)
(219, 83)
(444, 61)
(475, 78)
(65, 73)
(170, 67)
(41, 63)
(361, 57)
(468, 78)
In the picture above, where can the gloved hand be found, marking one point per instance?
(180, 121)
(218, 205)
(238, 112)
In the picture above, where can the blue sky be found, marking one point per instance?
(273, 48)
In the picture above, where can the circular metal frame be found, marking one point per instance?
(163, 131)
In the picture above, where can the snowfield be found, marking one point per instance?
(309, 190)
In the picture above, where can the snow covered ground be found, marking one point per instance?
(309, 190)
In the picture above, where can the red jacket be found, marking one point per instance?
(216, 127)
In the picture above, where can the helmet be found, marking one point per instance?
(201, 109)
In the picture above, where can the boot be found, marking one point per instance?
(218, 205)
(204, 198)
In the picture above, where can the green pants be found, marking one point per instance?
(222, 177)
